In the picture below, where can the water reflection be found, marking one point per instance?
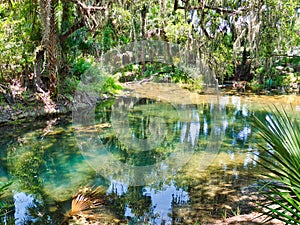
(146, 137)
(46, 163)
(161, 202)
(23, 202)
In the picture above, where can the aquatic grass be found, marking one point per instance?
(281, 191)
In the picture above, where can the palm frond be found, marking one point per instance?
(86, 203)
(4, 187)
(86, 200)
(6, 206)
(282, 162)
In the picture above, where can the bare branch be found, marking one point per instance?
(217, 9)
(87, 11)
(90, 8)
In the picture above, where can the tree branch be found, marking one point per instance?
(87, 10)
(217, 9)
(90, 8)
(202, 25)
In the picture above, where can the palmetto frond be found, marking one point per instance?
(6, 206)
(282, 194)
(86, 200)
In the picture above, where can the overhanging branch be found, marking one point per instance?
(90, 8)
(217, 9)
(87, 12)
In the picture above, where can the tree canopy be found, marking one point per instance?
(47, 44)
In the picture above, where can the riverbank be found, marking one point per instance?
(42, 106)
(18, 113)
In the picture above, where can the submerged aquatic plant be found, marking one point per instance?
(281, 191)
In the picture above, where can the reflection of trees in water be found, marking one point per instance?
(151, 133)
(210, 193)
(134, 199)
(142, 204)
(213, 192)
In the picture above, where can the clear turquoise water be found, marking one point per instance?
(159, 162)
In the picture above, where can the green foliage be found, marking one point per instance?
(80, 66)
(70, 85)
(80, 46)
(158, 72)
(256, 86)
(108, 37)
(6, 207)
(178, 32)
(130, 72)
(98, 82)
(217, 35)
(282, 162)
(18, 36)
(281, 72)
(110, 86)
(4, 187)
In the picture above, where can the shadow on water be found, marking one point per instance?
(50, 160)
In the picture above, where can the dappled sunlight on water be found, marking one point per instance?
(159, 160)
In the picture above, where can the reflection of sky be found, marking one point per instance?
(251, 157)
(117, 187)
(225, 124)
(128, 212)
(248, 158)
(244, 134)
(22, 203)
(194, 129)
(236, 100)
(183, 132)
(224, 100)
(205, 127)
(162, 201)
(255, 156)
(244, 110)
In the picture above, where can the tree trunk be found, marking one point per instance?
(143, 15)
(52, 50)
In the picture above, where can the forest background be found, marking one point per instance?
(46, 45)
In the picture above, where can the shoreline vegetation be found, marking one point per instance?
(23, 106)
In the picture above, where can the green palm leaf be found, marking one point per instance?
(282, 163)
(6, 207)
